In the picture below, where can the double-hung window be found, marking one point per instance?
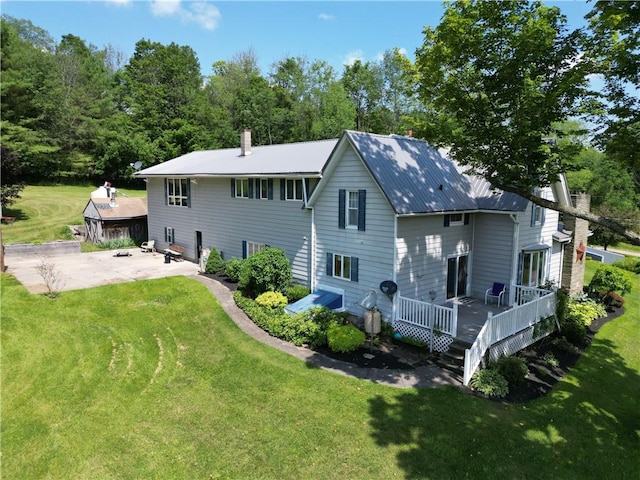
(293, 189)
(262, 186)
(177, 192)
(352, 210)
(537, 212)
(242, 188)
(352, 206)
(250, 248)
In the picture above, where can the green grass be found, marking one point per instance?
(44, 211)
(164, 385)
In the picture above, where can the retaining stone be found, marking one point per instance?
(60, 247)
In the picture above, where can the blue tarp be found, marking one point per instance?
(319, 298)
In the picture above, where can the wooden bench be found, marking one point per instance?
(8, 220)
(174, 251)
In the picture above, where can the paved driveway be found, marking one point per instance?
(86, 270)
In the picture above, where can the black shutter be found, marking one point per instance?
(542, 215)
(233, 187)
(282, 182)
(250, 184)
(270, 189)
(520, 267)
(166, 192)
(166, 236)
(341, 206)
(362, 209)
(447, 220)
(467, 216)
(244, 249)
(329, 264)
(188, 192)
(533, 214)
(354, 269)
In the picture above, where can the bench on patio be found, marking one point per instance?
(174, 251)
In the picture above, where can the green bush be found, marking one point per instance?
(345, 338)
(584, 312)
(271, 300)
(233, 268)
(296, 292)
(215, 264)
(267, 270)
(116, 243)
(631, 264)
(513, 369)
(574, 332)
(608, 278)
(564, 345)
(551, 359)
(490, 382)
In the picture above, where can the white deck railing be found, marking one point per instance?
(428, 315)
(539, 304)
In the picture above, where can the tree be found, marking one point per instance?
(12, 184)
(614, 44)
(503, 75)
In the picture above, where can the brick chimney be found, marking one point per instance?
(245, 143)
(574, 256)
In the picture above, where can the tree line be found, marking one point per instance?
(504, 85)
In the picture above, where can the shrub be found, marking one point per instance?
(267, 270)
(215, 264)
(574, 332)
(564, 345)
(345, 338)
(608, 278)
(296, 292)
(490, 382)
(630, 264)
(271, 300)
(233, 268)
(551, 359)
(117, 243)
(585, 311)
(513, 369)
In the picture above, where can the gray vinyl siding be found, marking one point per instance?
(492, 252)
(225, 222)
(423, 246)
(373, 247)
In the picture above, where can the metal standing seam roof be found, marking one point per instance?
(416, 178)
(303, 158)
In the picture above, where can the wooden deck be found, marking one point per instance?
(472, 315)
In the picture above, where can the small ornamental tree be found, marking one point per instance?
(215, 263)
(268, 270)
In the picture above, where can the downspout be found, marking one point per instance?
(514, 259)
(312, 246)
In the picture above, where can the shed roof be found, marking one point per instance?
(126, 207)
(416, 178)
(291, 159)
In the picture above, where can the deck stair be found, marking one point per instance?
(453, 359)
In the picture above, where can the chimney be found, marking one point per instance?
(245, 143)
(574, 252)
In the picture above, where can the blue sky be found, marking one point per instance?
(335, 31)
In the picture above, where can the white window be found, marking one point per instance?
(533, 268)
(262, 185)
(242, 188)
(537, 212)
(352, 209)
(169, 235)
(341, 266)
(253, 247)
(456, 219)
(177, 192)
(293, 189)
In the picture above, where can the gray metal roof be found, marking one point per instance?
(305, 158)
(416, 178)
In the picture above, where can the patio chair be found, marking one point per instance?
(149, 246)
(497, 292)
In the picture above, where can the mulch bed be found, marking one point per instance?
(542, 377)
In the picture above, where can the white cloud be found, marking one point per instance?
(380, 55)
(202, 13)
(326, 16)
(351, 57)
(119, 2)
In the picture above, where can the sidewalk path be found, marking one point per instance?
(422, 377)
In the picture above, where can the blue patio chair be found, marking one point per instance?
(497, 292)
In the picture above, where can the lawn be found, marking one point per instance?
(164, 385)
(43, 212)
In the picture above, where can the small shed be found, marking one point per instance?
(110, 219)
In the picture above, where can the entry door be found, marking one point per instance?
(457, 276)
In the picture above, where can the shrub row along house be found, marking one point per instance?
(354, 212)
